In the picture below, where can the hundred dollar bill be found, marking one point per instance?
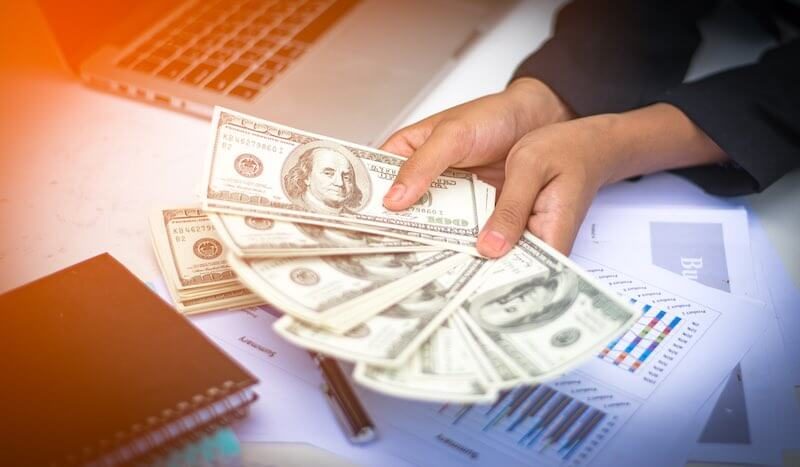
(542, 313)
(442, 370)
(192, 260)
(321, 290)
(254, 237)
(257, 165)
(501, 376)
(389, 338)
(187, 240)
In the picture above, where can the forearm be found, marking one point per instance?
(652, 139)
(609, 55)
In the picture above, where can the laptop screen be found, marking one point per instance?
(80, 28)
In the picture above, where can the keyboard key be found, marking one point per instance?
(178, 40)
(209, 40)
(146, 66)
(312, 7)
(221, 9)
(244, 92)
(199, 73)
(221, 55)
(250, 56)
(272, 66)
(251, 30)
(240, 17)
(178, 22)
(146, 47)
(192, 53)
(266, 19)
(165, 51)
(209, 16)
(197, 27)
(234, 44)
(282, 31)
(174, 69)
(252, 5)
(223, 28)
(201, 8)
(289, 52)
(279, 8)
(266, 43)
(260, 78)
(226, 77)
(162, 34)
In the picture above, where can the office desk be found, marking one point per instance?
(80, 170)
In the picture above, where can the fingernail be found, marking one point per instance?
(395, 193)
(495, 242)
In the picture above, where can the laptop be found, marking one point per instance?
(344, 68)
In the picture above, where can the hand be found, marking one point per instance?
(477, 134)
(550, 176)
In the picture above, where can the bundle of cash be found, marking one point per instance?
(535, 316)
(258, 168)
(192, 260)
(298, 221)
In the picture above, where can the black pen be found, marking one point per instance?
(343, 400)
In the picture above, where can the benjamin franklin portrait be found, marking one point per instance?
(525, 304)
(325, 177)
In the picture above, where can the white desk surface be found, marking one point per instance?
(80, 170)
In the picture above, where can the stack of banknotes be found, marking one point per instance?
(192, 260)
(296, 220)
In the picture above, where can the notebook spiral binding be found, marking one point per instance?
(147, 442)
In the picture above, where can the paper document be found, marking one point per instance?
(709, 246)
(610, 411)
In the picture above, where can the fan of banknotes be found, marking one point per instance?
(295, 220)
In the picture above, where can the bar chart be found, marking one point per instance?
(551, 422)
(632, 349)
(667, 329)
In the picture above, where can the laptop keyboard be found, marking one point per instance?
(236, 48)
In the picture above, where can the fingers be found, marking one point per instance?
(445, 146)
(406, 140)
(523, 182)
(556, 232)
(563, 211)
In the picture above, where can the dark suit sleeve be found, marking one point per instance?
(616, 55)
(753, 114)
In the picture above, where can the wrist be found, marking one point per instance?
(536, 104)
(655, 138)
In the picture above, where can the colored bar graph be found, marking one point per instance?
(546, 423)
(613, 343)
(642, 334)
(632, 349)
(654, 344)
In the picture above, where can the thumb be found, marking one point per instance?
(441, 150)
(558, 224)
(506, 224)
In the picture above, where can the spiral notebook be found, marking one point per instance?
(96, 369)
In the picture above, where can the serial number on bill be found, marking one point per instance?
(447, 221)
